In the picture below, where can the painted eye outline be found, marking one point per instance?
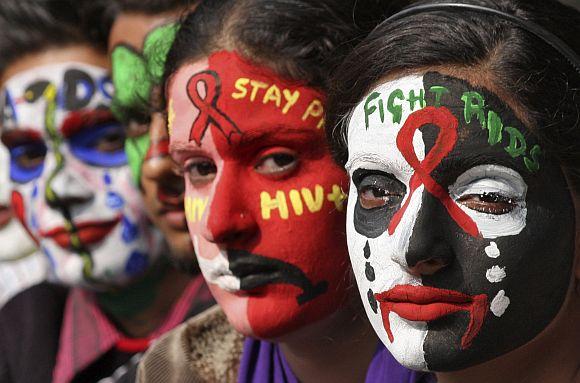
(192, 165)
(22, 174)
(84, 145)
(283, 171)
(388, 192)
(490, 190)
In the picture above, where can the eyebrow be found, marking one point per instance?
(79, 120)
(15, 137)
(469, 160)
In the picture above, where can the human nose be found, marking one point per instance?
(429, 251)
(65, 188)
(229, 219)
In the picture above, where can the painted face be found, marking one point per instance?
(460, 233)
(72, 187)
(16, 243)
(137, 75)
(263, 197)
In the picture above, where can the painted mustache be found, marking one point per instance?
(89, 233)
(422, 303)
(255, 271)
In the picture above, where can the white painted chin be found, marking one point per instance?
(409, 338)
(15, 243)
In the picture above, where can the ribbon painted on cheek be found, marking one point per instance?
(446, 140)
(208, 110)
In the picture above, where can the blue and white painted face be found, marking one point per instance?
(72, 185)
(460, 232)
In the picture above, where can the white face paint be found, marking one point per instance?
(375, 149)
(70, 174)
(16, 243)
(379, 259)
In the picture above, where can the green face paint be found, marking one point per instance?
(135, 75)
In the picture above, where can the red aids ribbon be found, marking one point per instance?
(208, 110)
(446, 140)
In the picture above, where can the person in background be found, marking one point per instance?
(458, 125)
(73, 191)
(21, 264)
(245, 90)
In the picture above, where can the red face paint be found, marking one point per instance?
(265, 207)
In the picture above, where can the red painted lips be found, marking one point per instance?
(5, 215)
(422, 303)
(89, 232)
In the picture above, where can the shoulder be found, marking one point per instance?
(30, 326)
(206, 348)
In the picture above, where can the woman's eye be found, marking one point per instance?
(371, 197)
(488, 203)
(111, 142)
(200, 171)
(30, 157)
(277, 164)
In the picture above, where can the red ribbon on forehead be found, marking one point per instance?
(444, 144)
(208, 109)
(234, 95)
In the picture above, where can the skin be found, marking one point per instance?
(165, 289)
(560, 334)
(162, 188)
(260, 154)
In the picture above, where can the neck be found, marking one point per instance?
(140, 308)
(551, 357)
(323, 352)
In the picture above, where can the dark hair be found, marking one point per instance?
(34, 25)
(99, 15)
(298, 39)
(534, 76)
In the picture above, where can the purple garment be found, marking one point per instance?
(263, 362)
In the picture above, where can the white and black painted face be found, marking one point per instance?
(460, 232)
(71, 183)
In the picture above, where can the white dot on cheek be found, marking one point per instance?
(492, 250)
(499, 304)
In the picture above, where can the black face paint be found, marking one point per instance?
(537, 260)
(373, 222)
(255, 271)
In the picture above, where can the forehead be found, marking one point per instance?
(132, 28)
(487, 129)
(225, 89)
(69, 86)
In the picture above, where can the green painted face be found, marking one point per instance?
(134, 76)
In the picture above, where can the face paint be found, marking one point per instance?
(16, 243)
(70, 176)
(263, 196)
(134, 75)
(450, 207)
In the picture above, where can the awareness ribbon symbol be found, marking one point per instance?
(446, 140)
(208, 110)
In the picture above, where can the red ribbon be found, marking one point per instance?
(446, 140)
(208, 110)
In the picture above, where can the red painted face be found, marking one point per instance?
(263, 196)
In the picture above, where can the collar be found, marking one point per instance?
(87, 334)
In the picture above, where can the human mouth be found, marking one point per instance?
(89, 233)
(423, 303)
(256, 271)
(5, 215)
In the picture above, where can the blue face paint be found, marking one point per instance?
(136, 264)
(21, 173)
(83, 145)
(130, 231)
